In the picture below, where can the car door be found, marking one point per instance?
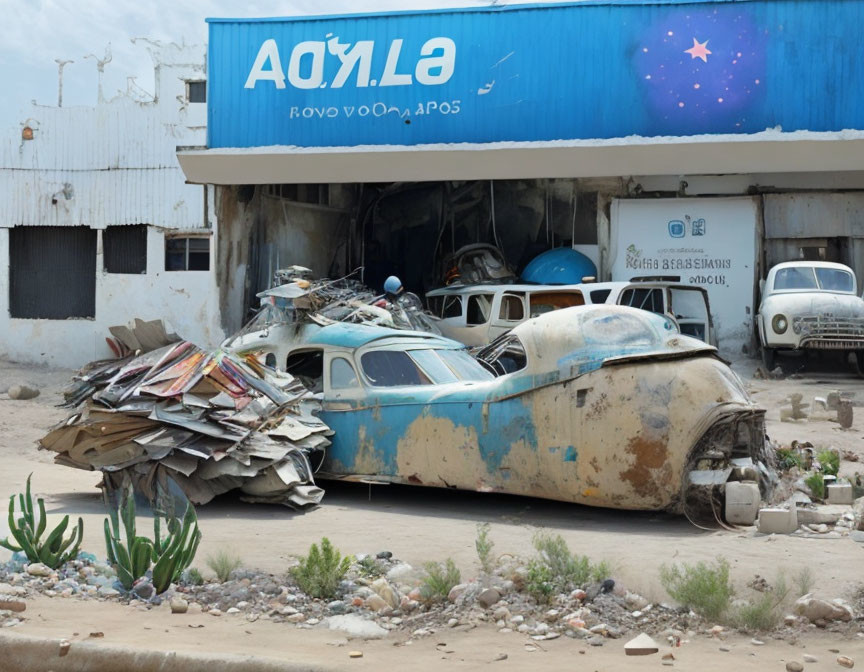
(508, 311)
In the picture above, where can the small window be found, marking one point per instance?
(308, 367)
(52, 272)
(187, 254)
(545, 302)
(196, 91)
(342, 374)
(314, 194)
(392, 368)
(452, 307)
(512, 308)
(124, 249)
(600, 295)
(479, 309)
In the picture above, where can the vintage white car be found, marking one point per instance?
(811, 305)
(477, 314)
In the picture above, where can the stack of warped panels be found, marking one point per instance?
(209, 422)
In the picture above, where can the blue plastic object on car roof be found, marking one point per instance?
(561, 266)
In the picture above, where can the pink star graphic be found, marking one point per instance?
(698, 50)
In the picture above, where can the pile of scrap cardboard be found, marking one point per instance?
(209, 422)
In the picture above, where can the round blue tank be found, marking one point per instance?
(561, 266)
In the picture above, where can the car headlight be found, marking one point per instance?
(779, 324)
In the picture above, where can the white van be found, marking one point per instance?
(477, 314)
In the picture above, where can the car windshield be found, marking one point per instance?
(395, 368)
(808, 277)
(835, 280)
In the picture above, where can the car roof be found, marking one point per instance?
(346, 335)
(812, 264)
(491, 288)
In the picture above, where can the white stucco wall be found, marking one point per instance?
(186, 300)
(107, 165)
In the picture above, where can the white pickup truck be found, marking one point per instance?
(811, 305)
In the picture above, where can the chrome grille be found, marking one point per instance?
(829, 332)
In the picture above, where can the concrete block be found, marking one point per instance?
(840, 493)
(742, 502)
(778, 521)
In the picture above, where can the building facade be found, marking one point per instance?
(97, 223)
(704, 140)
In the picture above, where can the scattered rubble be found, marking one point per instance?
(23, 392)
(210, 422)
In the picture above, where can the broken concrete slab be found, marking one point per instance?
(642, 645)
(827, 514)
(777, 521)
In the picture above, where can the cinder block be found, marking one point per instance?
(742, 502)
(840, 493)
(778, 521)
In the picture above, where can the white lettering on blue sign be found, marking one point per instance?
(434, 64)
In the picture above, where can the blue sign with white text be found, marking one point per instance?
(589, 70)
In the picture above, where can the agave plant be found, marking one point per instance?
(131, 559)
(54, 551)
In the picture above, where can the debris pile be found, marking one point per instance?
(210, 422)
(295, 298)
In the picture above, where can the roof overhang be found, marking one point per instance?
(770, 151)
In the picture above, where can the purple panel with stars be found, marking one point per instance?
(702, 71)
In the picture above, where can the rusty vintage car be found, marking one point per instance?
(598, 405)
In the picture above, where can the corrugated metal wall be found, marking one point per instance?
(100, 166)
(834, 221)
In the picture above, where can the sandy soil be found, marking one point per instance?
(419, 524)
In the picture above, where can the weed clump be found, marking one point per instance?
(703, 588)
(763, 612)
(223, 563)
(829, 461)
(804, 581)
(816, 483)
(484, 545)
(556, 569)
(370, 568)
(193, 577)
(319, 573)
(439, 580)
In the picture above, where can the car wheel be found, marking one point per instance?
(768, 358)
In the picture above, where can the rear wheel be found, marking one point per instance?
(768, 357)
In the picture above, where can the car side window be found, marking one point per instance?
(512, 308)
(479, 309)
(342, 375)
(600, 295)
(392, 368)
(452, 307)
(646, 298)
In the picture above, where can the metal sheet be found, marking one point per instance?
(813, 215)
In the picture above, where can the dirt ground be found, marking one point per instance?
(419, 524)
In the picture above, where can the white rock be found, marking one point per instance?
(400, 572)
(355, 626)
(642, 645)
(38, 569)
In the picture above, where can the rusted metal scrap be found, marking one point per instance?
(209, 421)
(295, 299)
